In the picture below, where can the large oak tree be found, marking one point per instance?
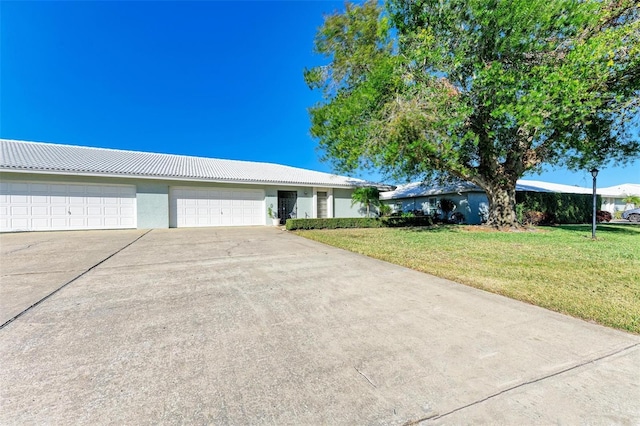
(478, 90)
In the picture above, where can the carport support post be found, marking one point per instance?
(594, 173)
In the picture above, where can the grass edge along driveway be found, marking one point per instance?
(558, 268)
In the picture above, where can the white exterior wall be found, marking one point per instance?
(151, 199)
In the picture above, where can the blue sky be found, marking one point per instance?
(216, 79)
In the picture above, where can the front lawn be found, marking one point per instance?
(559, 268)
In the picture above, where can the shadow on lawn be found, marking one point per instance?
(629, 229)
(433, 228)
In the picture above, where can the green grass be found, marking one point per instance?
(559, 268)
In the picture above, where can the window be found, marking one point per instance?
(433, 205)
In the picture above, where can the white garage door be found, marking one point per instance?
(32, 206)
(216, 207)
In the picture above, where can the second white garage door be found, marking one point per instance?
(216, 207)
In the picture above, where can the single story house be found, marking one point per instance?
(46, 186)
(470, 200)
(418, 196)
(612, 197)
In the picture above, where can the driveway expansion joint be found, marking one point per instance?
(9, 321)
(529, 382)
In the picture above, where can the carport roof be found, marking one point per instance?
(80, 160)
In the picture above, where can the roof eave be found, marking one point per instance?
(176, 178)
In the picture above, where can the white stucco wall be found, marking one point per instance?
(342, 204)
(153, 196)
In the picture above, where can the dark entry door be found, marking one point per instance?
(287, 205)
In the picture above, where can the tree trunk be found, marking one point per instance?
(502, 205)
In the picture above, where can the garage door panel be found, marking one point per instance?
(40, 211)
(98, 191)
(58, 206)
(111, 190)
(40, 189)
(40, 223)
(19, 211)
(216, 207)
(111, 222)
(19, 223)
(58, 210)
(58, 222)
(77, 190)
(18, 199)
(77, 222)
(94, 200)
(76, 210)
(124, 222)
(95, 221)
(18, 188)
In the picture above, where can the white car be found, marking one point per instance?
(632, 215)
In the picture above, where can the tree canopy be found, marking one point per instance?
(478, 90)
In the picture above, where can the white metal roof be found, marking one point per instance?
(620, 191)
(540, 186)
(68, 159)
(419, 189)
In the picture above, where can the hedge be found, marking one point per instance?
(358, 222)
(563, 208)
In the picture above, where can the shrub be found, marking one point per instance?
(384, 209)
(457, 217)
(520, 213)
(394, 222)
(603, 216)
(334, 223)
(534, 217)
(565, 208)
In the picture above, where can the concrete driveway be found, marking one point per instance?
(258, 326)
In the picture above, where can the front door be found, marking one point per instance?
(287, 205)
(322, 204)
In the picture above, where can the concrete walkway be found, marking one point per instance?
(258, 326)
